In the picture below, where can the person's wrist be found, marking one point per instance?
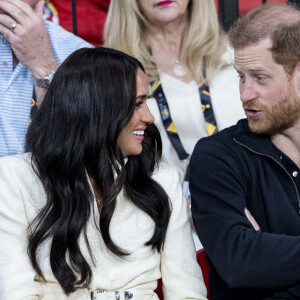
(43, 82)
(42, 68)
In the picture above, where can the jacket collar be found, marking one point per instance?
(259, 143)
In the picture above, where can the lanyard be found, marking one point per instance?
(210, 121)
(34, 107)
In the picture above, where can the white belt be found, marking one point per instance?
(114, 295)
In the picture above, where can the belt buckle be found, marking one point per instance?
(104, 295)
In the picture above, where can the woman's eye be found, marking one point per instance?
(138, 104)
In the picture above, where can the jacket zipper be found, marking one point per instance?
(263, 154)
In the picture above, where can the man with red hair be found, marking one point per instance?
(245, 180)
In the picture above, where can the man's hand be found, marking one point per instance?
(24, 28)
(251, 220)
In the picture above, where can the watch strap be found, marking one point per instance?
(43, 82)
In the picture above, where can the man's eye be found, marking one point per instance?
(242, 77)
(260, 77)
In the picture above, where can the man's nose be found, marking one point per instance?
(247, 92)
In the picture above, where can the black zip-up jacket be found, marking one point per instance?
(229, 171)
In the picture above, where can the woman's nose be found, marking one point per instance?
(147, 116)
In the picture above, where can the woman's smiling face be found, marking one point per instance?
(132, 135)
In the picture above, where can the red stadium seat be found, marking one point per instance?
(159, 291)
(203, 263)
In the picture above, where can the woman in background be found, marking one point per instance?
(194, 86)
(189, 68)
(87, 211)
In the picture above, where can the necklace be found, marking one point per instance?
(98, 202)
(179, 69)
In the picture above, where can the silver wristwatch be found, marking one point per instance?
(43, 82)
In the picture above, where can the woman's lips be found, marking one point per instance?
(139, 133)
(164, 3)
(139, 137)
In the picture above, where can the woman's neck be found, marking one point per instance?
(166, 43)
(168, 37)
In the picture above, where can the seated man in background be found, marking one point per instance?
(255, 165)
(30, 51)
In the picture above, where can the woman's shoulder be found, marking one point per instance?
(21, 160)
(18, 180)
(19, 165)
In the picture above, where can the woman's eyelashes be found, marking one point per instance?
(139, 103)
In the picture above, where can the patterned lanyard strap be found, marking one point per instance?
(210, 121)
(50, 12)
(34, 107)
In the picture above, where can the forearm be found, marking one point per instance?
(25, 29)
(40, 75)
(245, 258)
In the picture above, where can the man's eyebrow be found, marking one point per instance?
(251, 70)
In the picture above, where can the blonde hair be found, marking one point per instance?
(126, 30)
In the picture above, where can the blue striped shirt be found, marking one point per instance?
(16, 88)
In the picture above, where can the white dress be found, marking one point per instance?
(22, 196)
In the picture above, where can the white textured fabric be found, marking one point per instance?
(185, 108)
(21, 198)
(16, 88)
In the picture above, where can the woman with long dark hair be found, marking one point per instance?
(88, 210)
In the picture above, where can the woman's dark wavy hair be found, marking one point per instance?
(90, 100)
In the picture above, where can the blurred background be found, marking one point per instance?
(89, 15)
